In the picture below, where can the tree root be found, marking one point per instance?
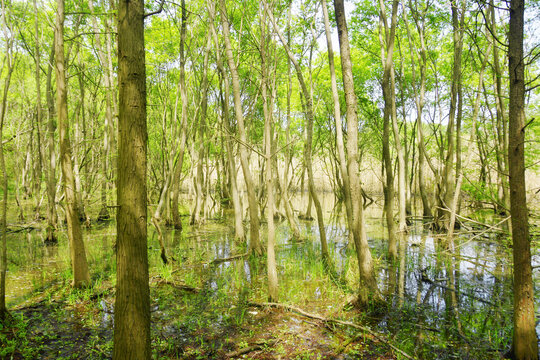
(376, 335)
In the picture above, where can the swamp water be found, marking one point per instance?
(441, 305)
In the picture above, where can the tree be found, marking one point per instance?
(367, 285)
(79, 265)
(3, 209)
(255, 242)
(132, 306)
(524, 341)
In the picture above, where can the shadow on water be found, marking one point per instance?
(442, 304)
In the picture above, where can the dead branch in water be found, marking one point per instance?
(234, 257)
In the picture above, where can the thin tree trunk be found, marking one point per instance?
(308, 107)
(525, 341)
(453, 206)
(367, 285)
(284, 182)
(132, 306)
(175, 193)
(196, 217)
(229, 142)
(79, 265)
(3, 208)
(337, 118)
(255, 242)
(52, 215)
(389, 116)
(502, 135)
(448, 174)
(420, 100)
(39, 163)
(390, 107)
(267, 110)
(104, 211)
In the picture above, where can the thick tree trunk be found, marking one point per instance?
(524, 342)
(79, 265)
(132, 306)
(255, 242)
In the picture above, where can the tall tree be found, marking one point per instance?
(337, 118)
(309, 114)
(255, 242)
(389, 113)
(52, 215)
(367, 284)
(267, 99)
(447, 183)
(8, 38)
(388, 87)
(132, 306)
(524, 342)
(419, 96)
(79, 265)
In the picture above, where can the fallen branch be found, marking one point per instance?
(257, 346)
(234, 257)
(376, 335)
(425, 279)
(182, 287)
(15, 228)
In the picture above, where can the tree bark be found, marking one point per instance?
(79, 265)
(524, 342)
(132, 306)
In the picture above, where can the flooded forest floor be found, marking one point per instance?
(439, 305)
